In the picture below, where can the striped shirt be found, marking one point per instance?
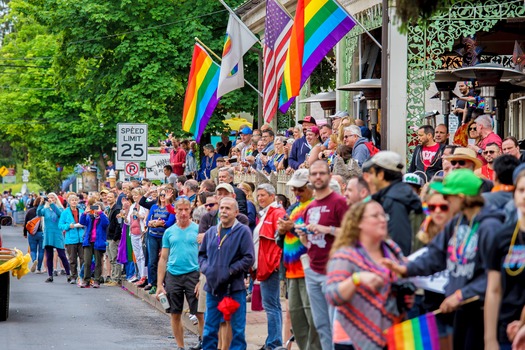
(361, 320)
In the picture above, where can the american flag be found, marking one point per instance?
(276, 38)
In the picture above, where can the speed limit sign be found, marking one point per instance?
(132, 168)
(132, 142)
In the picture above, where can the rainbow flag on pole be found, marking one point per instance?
(419, 333)
(318, 27)
(201, 94)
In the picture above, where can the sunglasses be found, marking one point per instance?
(459, 162)
(210, 205)
(489, 152)
(298, 189)
(470, 129)
(442, 207)
(162, 195)
(347, 136)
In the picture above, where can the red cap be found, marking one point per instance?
(308, 119)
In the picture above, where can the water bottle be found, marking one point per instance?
(164, 301)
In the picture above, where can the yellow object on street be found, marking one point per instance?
(18, 263)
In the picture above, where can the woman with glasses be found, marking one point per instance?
(457, 249)
(159, 219)
(358, 284)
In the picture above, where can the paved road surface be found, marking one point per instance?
(62, 316)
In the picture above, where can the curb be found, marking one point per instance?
(150, 299)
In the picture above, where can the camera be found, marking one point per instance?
(400, 289)
(46, 199)
(94, 207)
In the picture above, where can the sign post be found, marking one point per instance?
(132, 142)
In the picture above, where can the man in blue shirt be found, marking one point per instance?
(178, 272)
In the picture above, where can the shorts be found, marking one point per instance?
(178, 286)
(202, 295)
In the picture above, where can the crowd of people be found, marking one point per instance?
(341, 248)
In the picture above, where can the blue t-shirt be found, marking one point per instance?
(184, 249)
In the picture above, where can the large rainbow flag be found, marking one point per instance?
(201, 94)
(419, 333)
(318, 26)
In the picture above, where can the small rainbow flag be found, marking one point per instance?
(419, 333)
(201, 94)
(318, 27)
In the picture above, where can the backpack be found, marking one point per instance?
(371, 148)
(33, 225)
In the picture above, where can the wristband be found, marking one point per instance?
(356, 279)
(332, 230)
(458, 295)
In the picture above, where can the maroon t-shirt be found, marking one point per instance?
(328, 211)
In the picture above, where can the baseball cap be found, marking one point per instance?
(225, 186)
(387, 160)
(413, 179)
(299, 178)
(246, 131)
(459, 181)
(308, 119)
(340, 114)
(313, 129)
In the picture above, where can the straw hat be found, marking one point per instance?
(464, 153)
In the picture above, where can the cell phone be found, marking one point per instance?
(93, 207)
(264, 153)
(286, 218)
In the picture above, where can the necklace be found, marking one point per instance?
(510, 272)
(460, 250)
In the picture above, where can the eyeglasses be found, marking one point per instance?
(442, 207)
(162, 195)
(489, 152)
(459, 162)
(210, 205)
(298, 189)
(347, 136)
(470, 129)
(378, 215)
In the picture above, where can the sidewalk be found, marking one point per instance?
(256, 328)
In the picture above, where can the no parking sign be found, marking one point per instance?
(132, 168)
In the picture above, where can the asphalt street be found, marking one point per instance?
(62, 316)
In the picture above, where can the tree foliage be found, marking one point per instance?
(79, 67)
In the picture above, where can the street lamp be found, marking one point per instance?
(488, 76)
(327, 101)
(371, 89)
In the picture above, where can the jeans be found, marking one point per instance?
(116, 268)
(321, 311)
(213, 317)
(154, 247)
(89, 251)
(270, 293)
(37, 248)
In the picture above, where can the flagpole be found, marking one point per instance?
(220, 59)
(359, 24)
(334, 67)
(239, 20)
(466, 301)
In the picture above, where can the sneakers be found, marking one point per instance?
(142, 283)
(148, 287)
(152, 291)
(133, 279)
(69, 278)
(96, 284)
(193, 319)
(33, 267)
(84, 284)
(73, 280)
(49, 279)
(108, 279)
(62, 272)
(55, 273)
(111, 284)
(39, 272)
(198, 346)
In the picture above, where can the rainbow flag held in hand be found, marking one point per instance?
(419, 333)
(318, 26)
(201, 94)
